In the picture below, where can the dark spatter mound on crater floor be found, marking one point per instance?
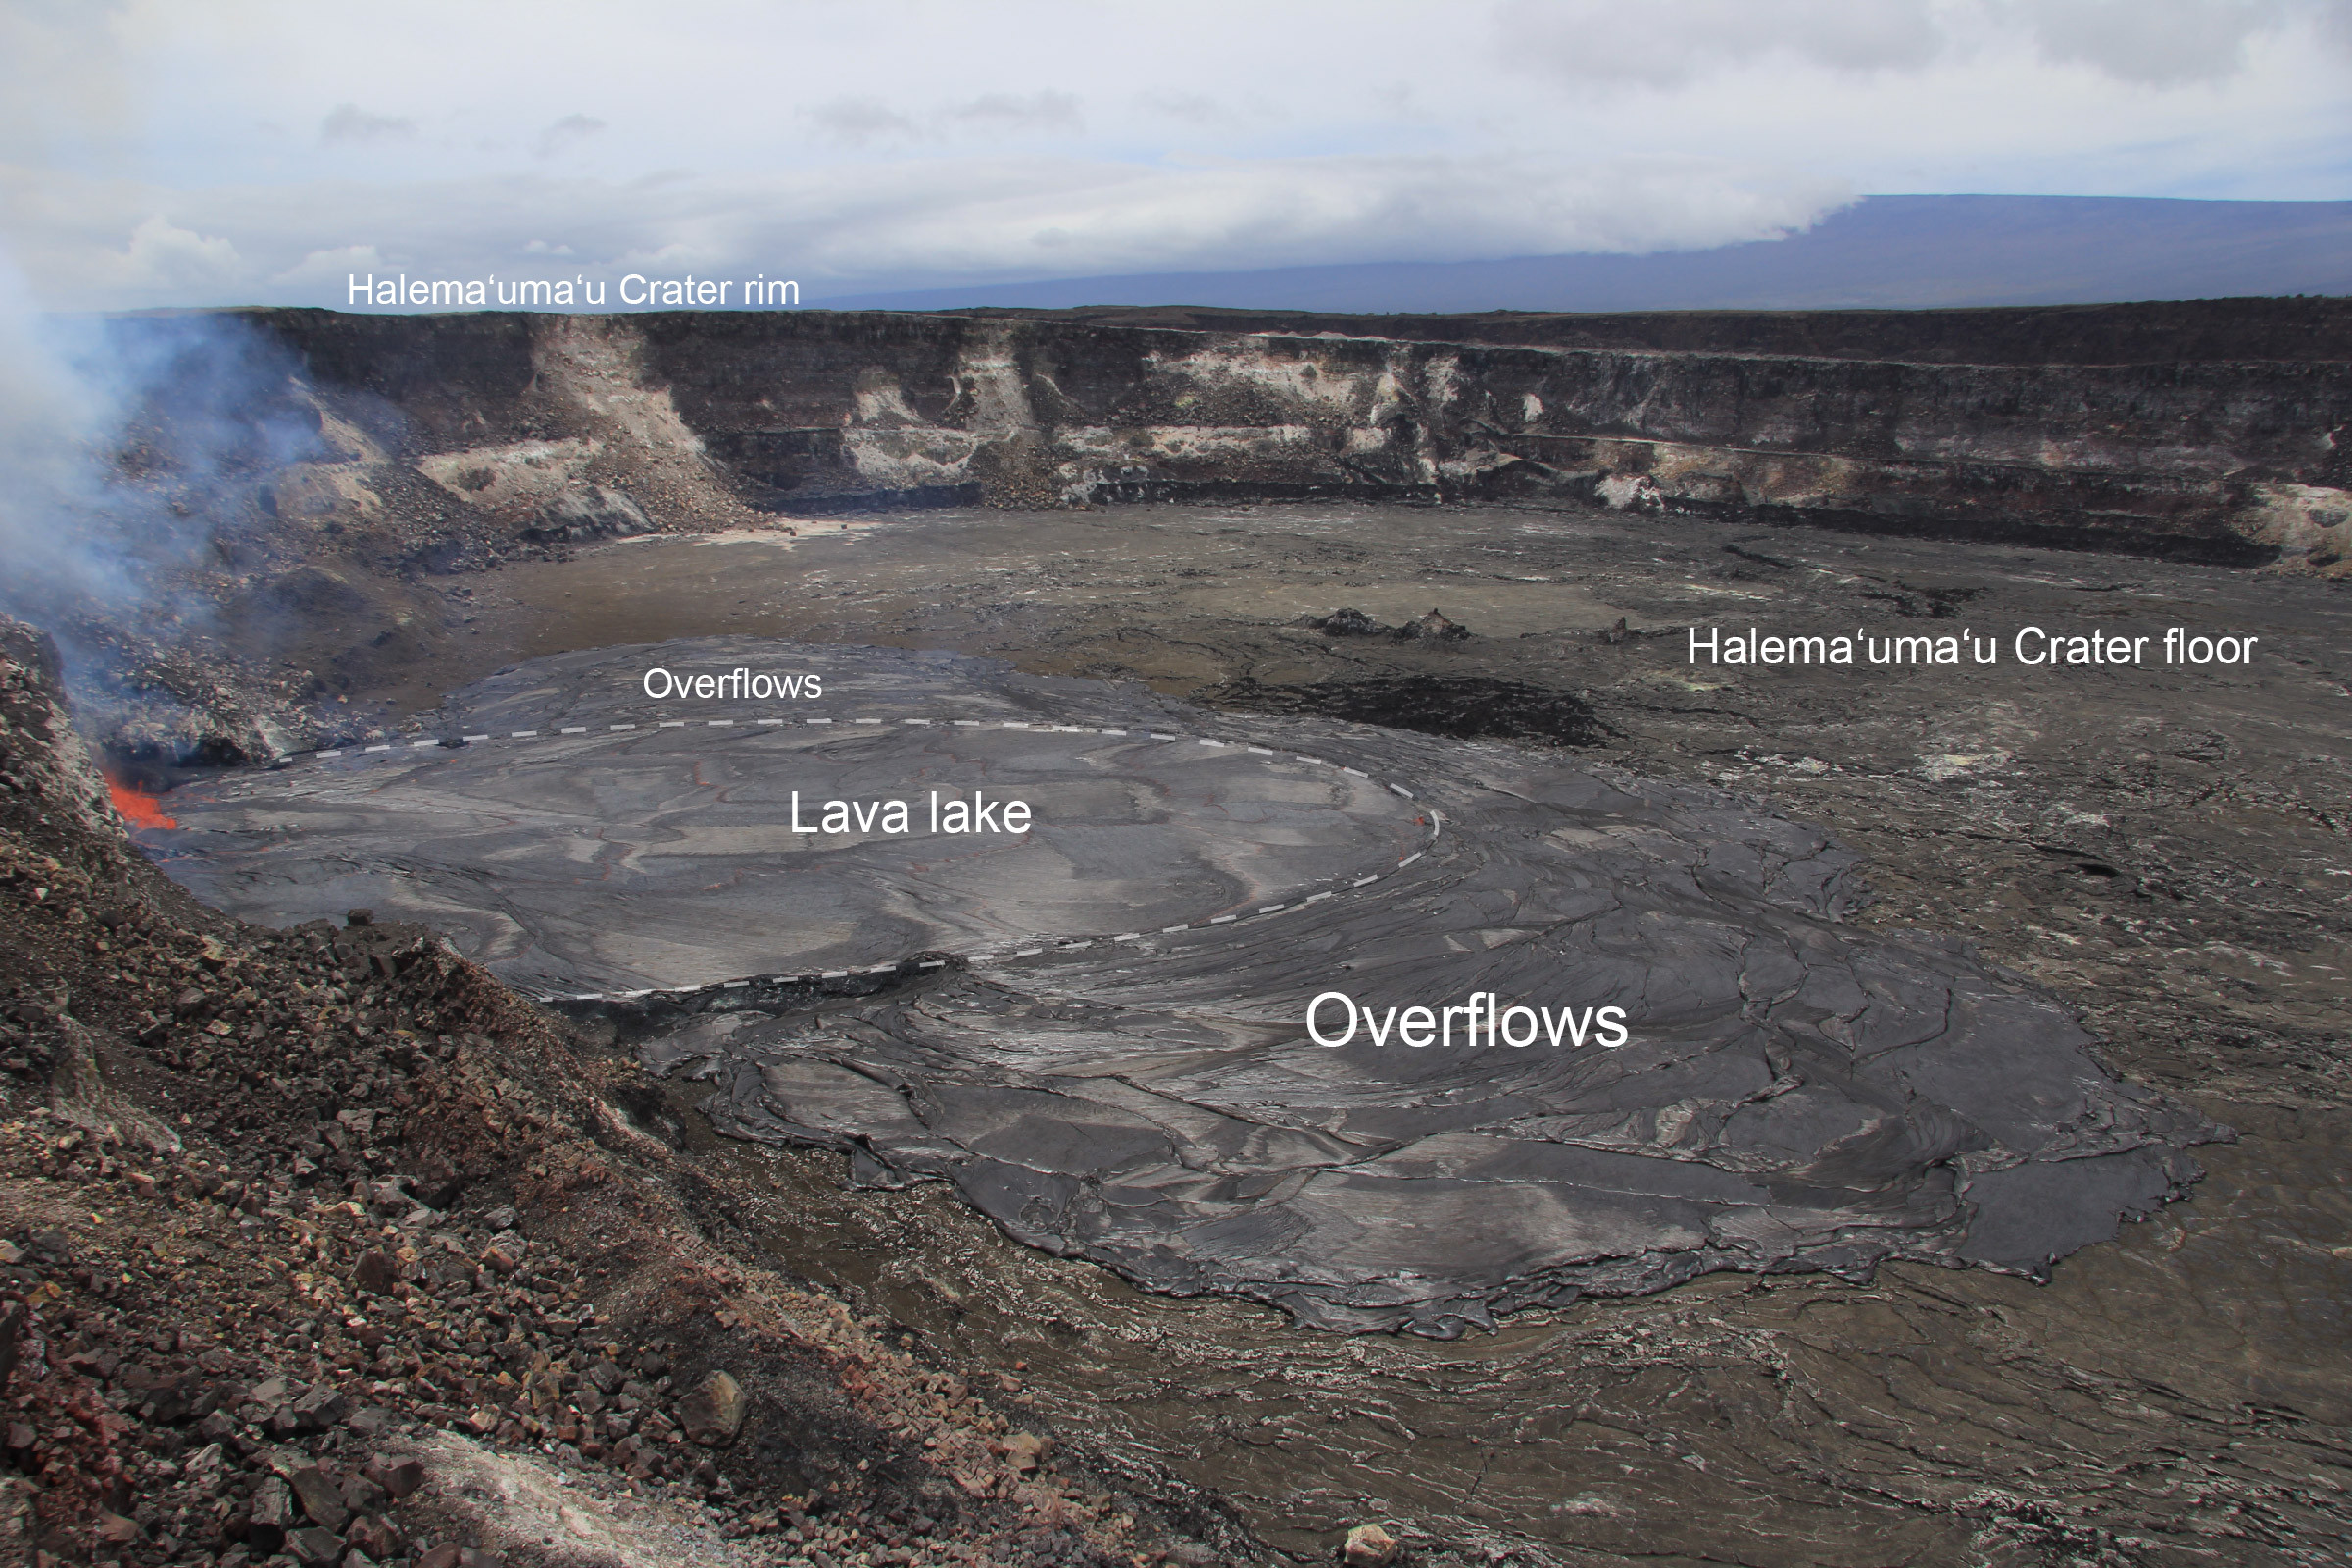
(1458, 706)
(1797, 1095)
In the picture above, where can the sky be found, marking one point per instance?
(199, 151)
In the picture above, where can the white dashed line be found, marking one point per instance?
(1434, 822)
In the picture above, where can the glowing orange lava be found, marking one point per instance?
(136, 807)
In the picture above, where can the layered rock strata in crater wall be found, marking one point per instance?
(2199, 457)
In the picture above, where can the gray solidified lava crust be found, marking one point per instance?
(1795, 1095)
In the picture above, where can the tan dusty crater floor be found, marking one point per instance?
(2164, 850)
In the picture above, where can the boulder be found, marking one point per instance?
(319, 1497)
(1023, 1450)
(712, 1413)
(375, 1273)
(320, 1408)
(378, 1537)
(314, 1546)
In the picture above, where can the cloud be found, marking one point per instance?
(1667, 43)
(914, 222)
(567, 133)
(350, 122)
(320, 272)
(2158, 43)
(1672, 43)
(1045, 219)
(1038, 137)
(870, 123)
(859, 122)
(1193, 108)
(1007, 115)
(162, 256)
(2336, 23)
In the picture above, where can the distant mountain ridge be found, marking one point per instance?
(1883, 253)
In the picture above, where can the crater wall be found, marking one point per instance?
(2138, 432)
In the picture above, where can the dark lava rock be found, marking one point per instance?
(1353, 622)
(712, 1413)
(314, 1545)
(1350, 621)
(377, 1536)
(361, 1495)
(1433, 627)
(436, 1187)
(320, 1408)
(375, 1273)
(1463, 706)
(397, 1477)
(320, 1497)
(270, 1516)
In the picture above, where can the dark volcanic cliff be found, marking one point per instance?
(298, 489)
(2210, 431)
